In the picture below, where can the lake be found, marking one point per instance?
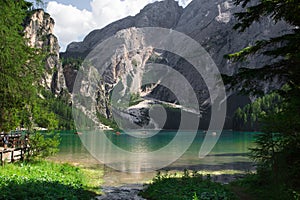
(230, 153)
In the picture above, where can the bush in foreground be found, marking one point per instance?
(264, 188)
(187, 187)
(43, 180)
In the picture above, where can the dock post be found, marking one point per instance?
(12, 156)
(21, 154)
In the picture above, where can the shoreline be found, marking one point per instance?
(112, 178)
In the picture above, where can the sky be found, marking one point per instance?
(74, 19)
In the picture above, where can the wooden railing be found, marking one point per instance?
(14, 147)
(13, 154)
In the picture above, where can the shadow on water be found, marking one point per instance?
(238, 166)
(229, 154)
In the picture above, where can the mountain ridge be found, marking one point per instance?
(147, 17)
(209, 23)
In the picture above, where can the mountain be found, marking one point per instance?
(163, 14)
(159, 14)
(208, 22)
(38, 29)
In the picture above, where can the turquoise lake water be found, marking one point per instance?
(229, 153)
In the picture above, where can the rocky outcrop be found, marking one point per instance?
(39, 32)
(208, 22)
(159, 14)
(124, 72)
(211, 24)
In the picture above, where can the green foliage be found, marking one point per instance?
(187, 187)
(135, 99)
(74, 62)
(195, 197)
(83, 121)
(264, 188)
(39, 114)
(21, 69)
(283, 49)
(286, 10)
(62, 110)
(171, 108)
(108, 122)
(259, 109)
(43, 144)
(43, 180)
(20, 65)
(277, 151)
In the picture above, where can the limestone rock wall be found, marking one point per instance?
(39, 32)
(208, 22)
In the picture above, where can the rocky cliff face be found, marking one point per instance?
(208, 22)
(163, 14)
(39, 32)
(159, 14)
(211, 22)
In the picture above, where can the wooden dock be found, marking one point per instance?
(12, 154)
(13, 148)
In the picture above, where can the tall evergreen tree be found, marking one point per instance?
(21, 68)
(278, 149)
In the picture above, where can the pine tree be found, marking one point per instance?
(21, 68)
(278, 148)
(284, 49)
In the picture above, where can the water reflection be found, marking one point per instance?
(131, 154)
(229, 153)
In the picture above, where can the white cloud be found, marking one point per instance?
(184, 3)
(73, 24)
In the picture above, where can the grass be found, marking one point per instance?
(46, 180)
(92, 180)
(187, 187)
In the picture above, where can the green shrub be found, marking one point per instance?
(187, 187)
(43, 144)
(264, 188)
(75, 63)
(195, 197)
(135, 99)
(61, 108)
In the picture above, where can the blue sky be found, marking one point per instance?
(80, 4)
(74, 19)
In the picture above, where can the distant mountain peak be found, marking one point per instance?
(163, 14)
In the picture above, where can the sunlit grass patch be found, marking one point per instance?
(47, 180)
(93, 179)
